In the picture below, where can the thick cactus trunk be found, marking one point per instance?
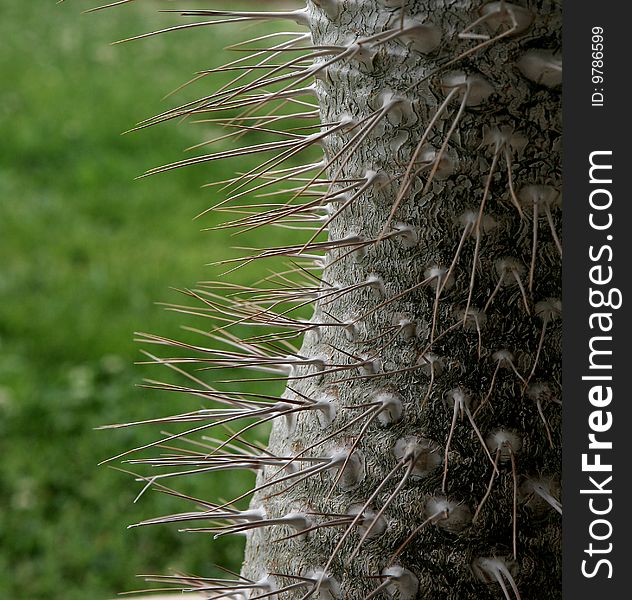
(450, 312)
(416, 450)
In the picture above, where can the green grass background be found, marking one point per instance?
(85, 252)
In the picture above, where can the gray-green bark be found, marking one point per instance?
(510, 124)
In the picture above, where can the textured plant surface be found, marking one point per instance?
(416, 450)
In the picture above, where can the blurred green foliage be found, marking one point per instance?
(85, 252)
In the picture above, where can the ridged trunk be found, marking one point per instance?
(416, 451)
(477, 333)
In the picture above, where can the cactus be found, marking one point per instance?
(416, 450)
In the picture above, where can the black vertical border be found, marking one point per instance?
(586, 129)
